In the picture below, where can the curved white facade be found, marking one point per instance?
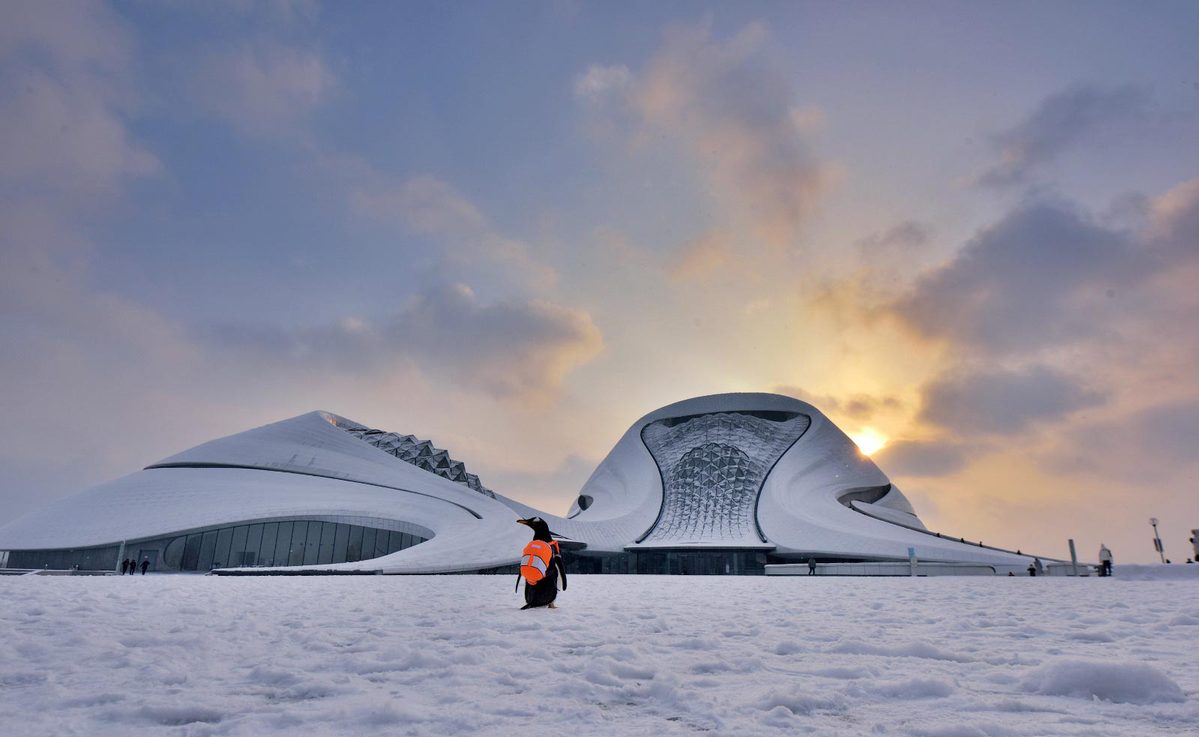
(760, 476)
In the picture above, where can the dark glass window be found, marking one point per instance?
(172, 555)
(283, 544)
(312, 544)
(339, 543)
(328, 536)
(257, 544)
(299, 532)
(220, 557)
(88, 559)
(355, 547)
(368, 543)
(238, 549)
(253, 545)
(207, 547)
(191, 553)
(266, 554)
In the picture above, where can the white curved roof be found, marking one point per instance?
(798, 510)
(303, 466)
(740, 471)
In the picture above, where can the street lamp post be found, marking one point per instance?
(1157, 541)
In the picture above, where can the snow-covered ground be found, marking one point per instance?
(644, 655)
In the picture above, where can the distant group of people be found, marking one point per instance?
(1037, 568)
(130, 566)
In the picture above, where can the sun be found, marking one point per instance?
(869, 440)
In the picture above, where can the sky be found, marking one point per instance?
(968, 232)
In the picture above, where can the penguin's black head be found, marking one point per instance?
(541, 530)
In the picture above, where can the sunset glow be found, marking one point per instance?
(869, 440)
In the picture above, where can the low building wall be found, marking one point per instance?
(881, 569)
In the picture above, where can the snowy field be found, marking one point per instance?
(452, 655)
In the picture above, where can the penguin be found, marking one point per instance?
(543, 593)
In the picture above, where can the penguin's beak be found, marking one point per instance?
(524, 522)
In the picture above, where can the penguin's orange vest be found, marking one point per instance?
(535, 560)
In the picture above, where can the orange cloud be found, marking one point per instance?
(730, 105)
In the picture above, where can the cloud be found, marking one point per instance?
(1038, 277)
(809, 119)
(90, 35)
(925, 458)
(117, 384)
(423, 204)
(1047, 283)
(507, 349)
(1168, 433)
(860, 407)
(1003, 402)
(430, 206)
(111, 380)
(279, 13)
(700, 257)
(902, 238)
(551, 489)
(73, 356)
(730, 105)
(1060, 121)
(263, 89)
(511, 348)
(599, 82)
(267, 89)
(1064, 298)
(65, 90)
(1146, 444)
(1175, 220)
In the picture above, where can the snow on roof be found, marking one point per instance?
(741, 470)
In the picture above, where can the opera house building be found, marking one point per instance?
(729, 483)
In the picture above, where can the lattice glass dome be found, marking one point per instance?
(713, 467)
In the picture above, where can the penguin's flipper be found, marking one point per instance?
(526, 606)
(562, 575)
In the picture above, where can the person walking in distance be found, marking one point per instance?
(1105, 560)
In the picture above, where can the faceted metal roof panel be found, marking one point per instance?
(410, 449)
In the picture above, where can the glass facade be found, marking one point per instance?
(671, 562)
(88, 559)
(712, 468)
(258, 544)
